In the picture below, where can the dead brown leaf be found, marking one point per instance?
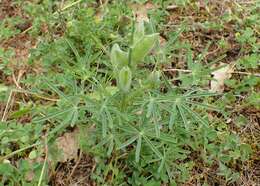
(29, 176)
(141, 11)
(68, 144)
(220, 75)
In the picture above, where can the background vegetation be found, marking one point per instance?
(162, 92)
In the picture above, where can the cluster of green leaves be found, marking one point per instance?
(7, 27)
(105, 77)
(247, 38)
(15, 135)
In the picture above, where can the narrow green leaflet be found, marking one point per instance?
(104, 124)
(73, 48)
(184, 119)
(53, 115)
(199, 95)
(206, 106)
(128, 142)
(162, 164)
(150, 108)
(74, 117)
(128, 128)
(138, 148)
(71, 120)
(173, 116)
(110, 147)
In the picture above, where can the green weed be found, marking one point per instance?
(108, 79)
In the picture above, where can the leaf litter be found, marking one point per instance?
(219, 77)
(68, 144)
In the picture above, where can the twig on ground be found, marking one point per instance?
(189, 71)
(74, 168)
(7, 106)
(9, 100)
(35, 94)
(16, 82)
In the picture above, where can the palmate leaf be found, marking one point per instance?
(163, 161)
(195, 115)
(71, 119)
(151, 145)
(56, 90)
(137, 137)
(164, 137)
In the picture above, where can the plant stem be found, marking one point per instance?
(44, 164)
(131, 43)
(18, 151)
(123, 101)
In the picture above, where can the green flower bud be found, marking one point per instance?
(139, 31)
(118, 57)
(125, 79)
(143, 47)
(154, 78)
